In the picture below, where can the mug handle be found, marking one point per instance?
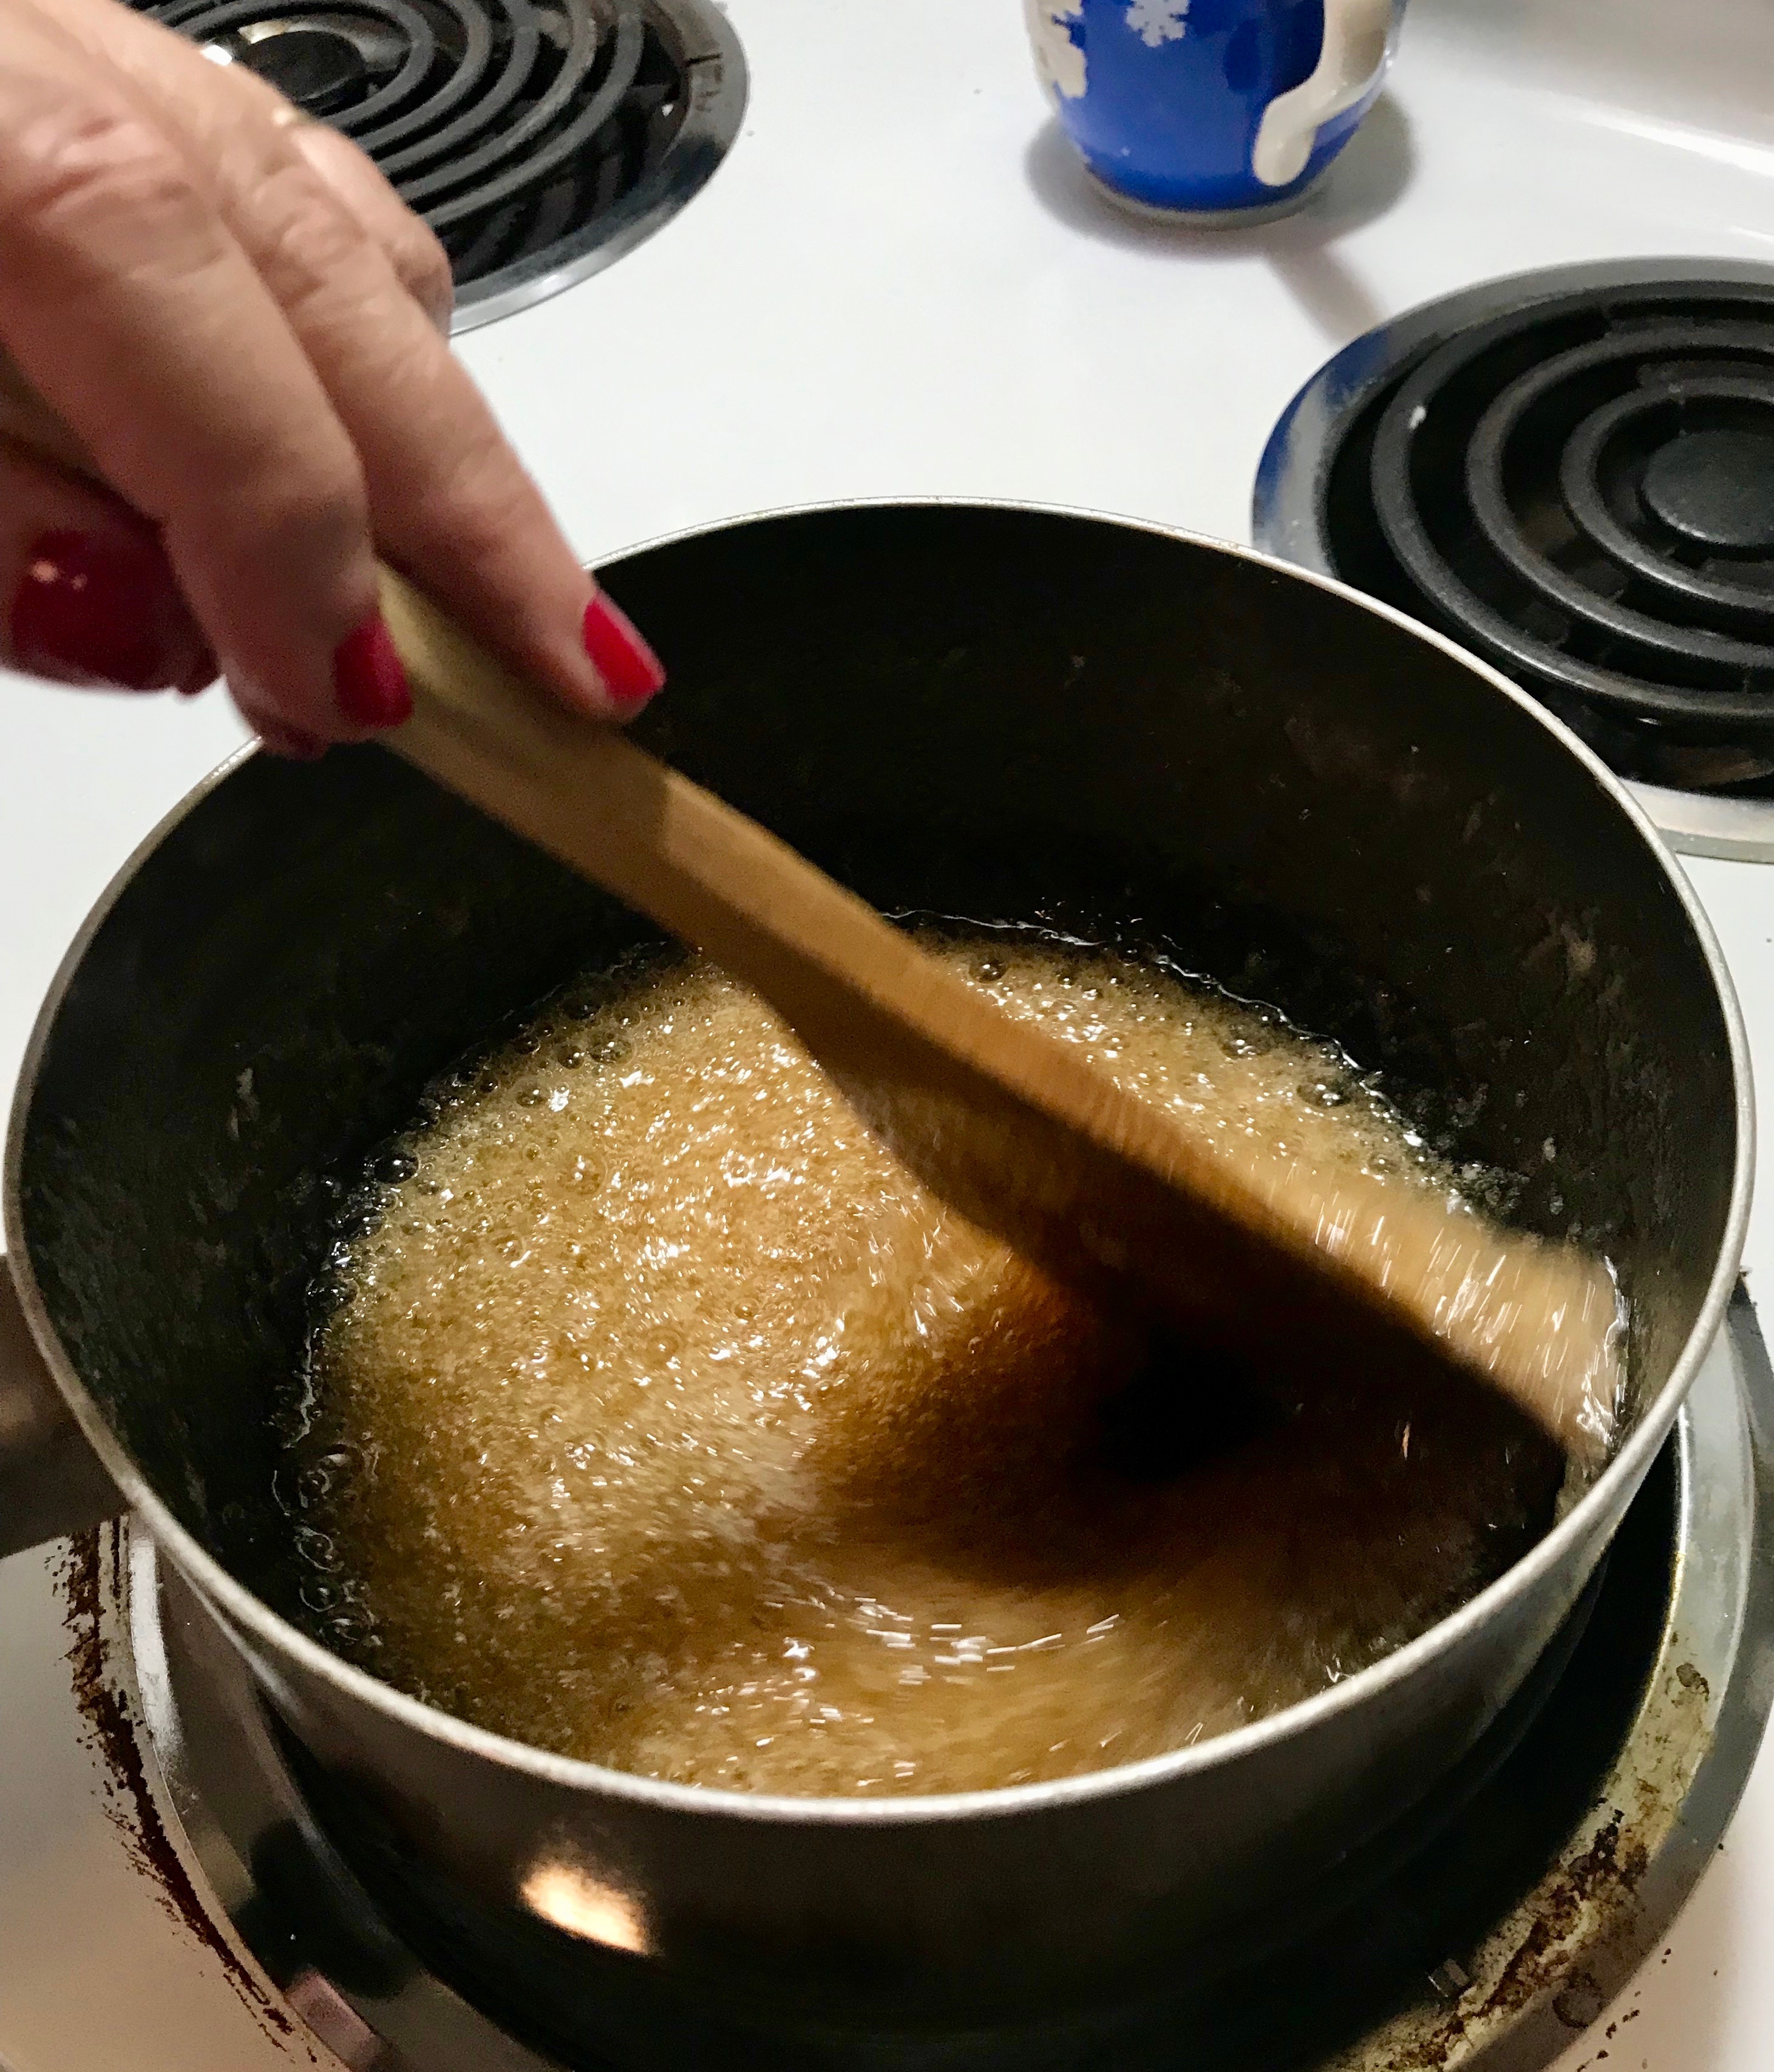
(51, 1480)
(1350, 61)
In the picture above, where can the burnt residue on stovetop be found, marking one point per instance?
(91, 1581)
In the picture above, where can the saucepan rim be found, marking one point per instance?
(267, 1631)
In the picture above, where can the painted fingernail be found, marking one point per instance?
(100, 610)
(368, 678)
(631, 671)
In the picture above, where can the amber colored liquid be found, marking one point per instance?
(668, 1423)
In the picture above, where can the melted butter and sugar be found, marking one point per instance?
(667, 1422)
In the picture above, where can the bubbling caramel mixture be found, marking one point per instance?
(666, 1421)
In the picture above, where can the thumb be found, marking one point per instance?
(86, 596)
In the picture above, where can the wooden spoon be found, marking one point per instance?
(1012, 1127)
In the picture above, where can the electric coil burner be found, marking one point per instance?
(1572, 472)
(539, 138)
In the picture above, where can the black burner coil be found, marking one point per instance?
(1582, 489)
(508, 126)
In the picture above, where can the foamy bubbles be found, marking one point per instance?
(665, 1421)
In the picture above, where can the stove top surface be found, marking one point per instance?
(900, 284)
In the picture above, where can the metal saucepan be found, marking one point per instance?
(983, 710)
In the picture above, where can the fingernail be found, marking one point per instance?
(289, 742)
(368, 678)
(96, 610)
(631, 671)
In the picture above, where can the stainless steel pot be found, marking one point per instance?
(981, 709)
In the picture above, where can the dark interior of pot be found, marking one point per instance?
(991, 714)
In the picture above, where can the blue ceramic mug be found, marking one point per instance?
(1219, 109)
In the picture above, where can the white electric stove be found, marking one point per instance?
(898, 282)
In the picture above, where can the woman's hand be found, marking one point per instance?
(243, 325)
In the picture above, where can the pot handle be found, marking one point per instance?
(1350, 59)
(51, 1483)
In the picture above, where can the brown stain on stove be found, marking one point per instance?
(1601, 1879)
(1593, 1894)
(92, 1573)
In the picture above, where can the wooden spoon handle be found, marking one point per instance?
(993, 1112)
(590, 795)
(1015, 1129)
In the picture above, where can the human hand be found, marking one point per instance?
(244, 327)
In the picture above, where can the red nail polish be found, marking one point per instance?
(631, 671)
(93, 610)
(368, 677)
